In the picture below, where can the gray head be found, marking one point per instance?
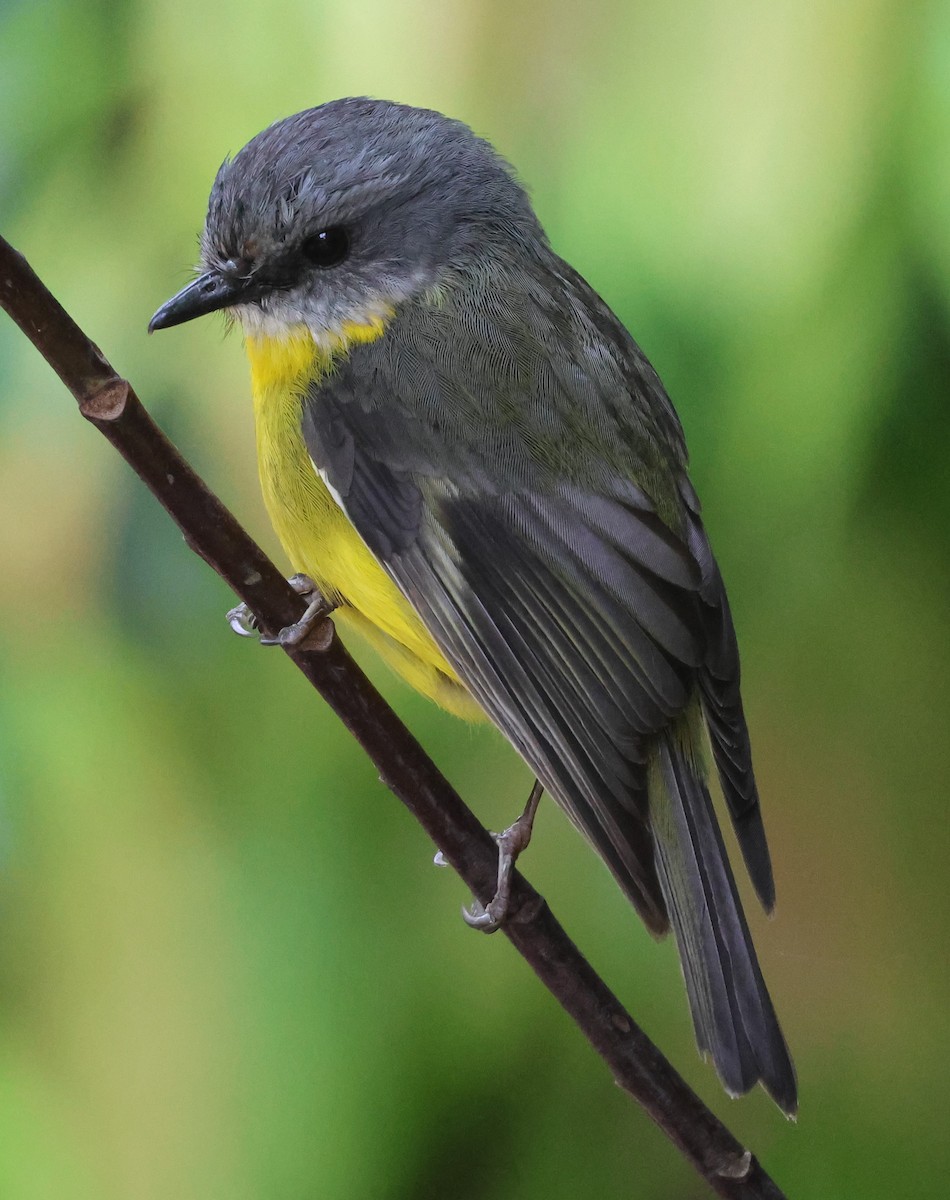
(342, 212)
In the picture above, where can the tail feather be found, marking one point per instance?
(732, 1013)
(722, 708)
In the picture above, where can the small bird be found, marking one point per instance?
(469, 455)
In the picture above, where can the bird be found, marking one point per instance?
(473, 461)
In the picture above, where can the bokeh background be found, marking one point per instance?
(228, 969)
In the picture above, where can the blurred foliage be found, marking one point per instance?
(227, 968)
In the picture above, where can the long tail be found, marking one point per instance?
(732, 1012)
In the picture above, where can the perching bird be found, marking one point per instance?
(463, 447)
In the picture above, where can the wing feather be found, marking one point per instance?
(533, 607)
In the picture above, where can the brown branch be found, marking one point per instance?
(108, 402)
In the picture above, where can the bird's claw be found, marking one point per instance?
(242, 621)
(487, 920)
(291, 637)
(490, 918)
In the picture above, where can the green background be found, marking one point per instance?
(228, 969)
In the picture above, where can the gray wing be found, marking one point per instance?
(578, 616)
(531, 599)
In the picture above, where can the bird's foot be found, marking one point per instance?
(291, 637)
(489, 918)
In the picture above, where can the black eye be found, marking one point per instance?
(326, 248)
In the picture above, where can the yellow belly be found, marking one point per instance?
(315, 533)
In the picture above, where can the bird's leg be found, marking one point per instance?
(510, 844)
(244, 623)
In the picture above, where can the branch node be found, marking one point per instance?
(736, 1166)
(320, 638)
(106, 403)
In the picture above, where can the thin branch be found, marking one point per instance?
(108, 402)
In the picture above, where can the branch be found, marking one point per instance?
(108, 402)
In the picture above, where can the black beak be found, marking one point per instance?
(206, 294)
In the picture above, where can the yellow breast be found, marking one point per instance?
(313, 529)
